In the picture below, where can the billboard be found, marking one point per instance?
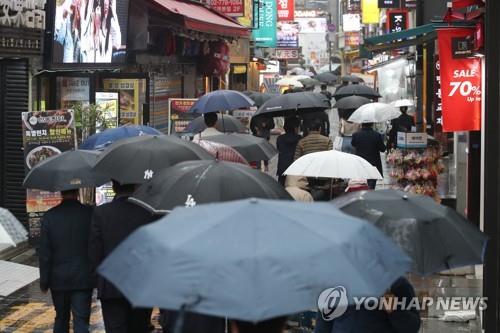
(287, 35)
(312, 25)
(90, 31)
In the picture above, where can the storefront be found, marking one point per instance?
(22, 25)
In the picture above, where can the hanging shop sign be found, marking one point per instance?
(265, 33)
(178, 115)
(287, 35)
(129, 99)
(45, 134)
(370, 12)
(461, 88)
(286, 54)
(397, 20)
(389, 3)
(351, 22)
(234, 8)
(286, 10)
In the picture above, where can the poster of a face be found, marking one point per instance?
(90, 31)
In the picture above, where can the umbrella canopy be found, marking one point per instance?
(402, 102)
(105, 138)
(374, 113)
(225, 123)
(136, 160)
(197, 182)
(252, 148)
(351, 102)
(327, 78)
(434, 236)
(309, 82)
(294, 103)
(356, 90)
(66, 171)
(221, 100)
(333, 164)
(221, 152)
(300, 71)
(12, 231)
(326, 68)
(258, 97)
(252, 259)
(291, 81)
(352, 78)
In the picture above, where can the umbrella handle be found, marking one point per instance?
(179, 322)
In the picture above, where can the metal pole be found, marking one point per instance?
(329, 42)
(492, 167)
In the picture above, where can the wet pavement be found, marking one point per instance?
(30, 311)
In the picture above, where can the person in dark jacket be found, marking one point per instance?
(369, 144)
(111, 224)
(403, 123)
(286, 144)
(64, 264)
(391, 320)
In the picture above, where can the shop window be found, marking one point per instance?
(72, 90)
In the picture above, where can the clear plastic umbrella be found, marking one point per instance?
(402, 102)
(374, 113)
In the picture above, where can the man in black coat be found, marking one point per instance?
(403, 123)
(111, 224)
(286, 145)
(64, 264)
(369, 144)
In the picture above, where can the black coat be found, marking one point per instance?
(403, 123)
(369, 144)
(64, 239)
(111, 224)
(286, 145)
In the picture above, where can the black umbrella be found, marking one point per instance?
(258, 97)
(351, 102)
(309, 82)
(435, 237)
(356, 90)
(294, 103)
(252, 148)
(67, 171)
(326, 77)
(226, 123)
(352, 78)
(198, 182)
(138, 159)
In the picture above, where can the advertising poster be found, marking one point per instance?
(286, 10)
(312, 25)
(108, 104)
(73, 90)
(370, 11)
(104, 194)
(287, 35)
(314, 49)
(265, 33)
(461, 85)
(178, 114)
(45, 134)
(234, 8)
(129, 99)
(90, 31)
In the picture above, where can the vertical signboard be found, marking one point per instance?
(461, 87)
(397, 20)
(370, 12)
(265, 33)
(286, 10)
(45, 134)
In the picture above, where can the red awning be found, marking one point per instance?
(200, 18)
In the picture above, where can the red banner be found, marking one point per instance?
(461, 89)
(286, 10)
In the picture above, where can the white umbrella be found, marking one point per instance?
(374, 113)
(326, 68)
(333, 164)
(12, 231)
(290, 81)
(402, 102)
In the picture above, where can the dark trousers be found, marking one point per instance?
(120, 317)
(282, 180)
(76, 302)
(372, 183)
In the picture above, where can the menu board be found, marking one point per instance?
(178, 115)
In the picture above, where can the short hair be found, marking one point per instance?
(315, 125)
(210, 119)
(291, 123)
(324, 86)
(274, 325)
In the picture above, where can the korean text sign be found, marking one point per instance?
(461, 88)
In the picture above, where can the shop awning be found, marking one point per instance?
(405, 38)
(200, 18)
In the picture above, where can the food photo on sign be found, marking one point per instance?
(90, 31)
